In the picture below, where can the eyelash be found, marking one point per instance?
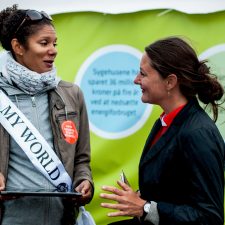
(46, 43)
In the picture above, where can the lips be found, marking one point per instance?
(49, 63)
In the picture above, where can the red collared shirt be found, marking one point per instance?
(166, 120)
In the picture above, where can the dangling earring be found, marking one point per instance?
(168, 93)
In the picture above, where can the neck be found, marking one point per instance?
(173, 103)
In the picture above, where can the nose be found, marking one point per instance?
(137, 79)
(52, 50)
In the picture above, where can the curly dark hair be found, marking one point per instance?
(10, 20)
(173, 55)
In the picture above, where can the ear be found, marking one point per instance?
(17, 47)
(171, 81)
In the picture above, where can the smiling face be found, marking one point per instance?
(152, 84)
(40, 51)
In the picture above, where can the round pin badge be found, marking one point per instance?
(69, 131)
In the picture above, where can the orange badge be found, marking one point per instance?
(69, 131)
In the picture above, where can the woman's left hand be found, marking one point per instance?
(86, 189)
(128, 203)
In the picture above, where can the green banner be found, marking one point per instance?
(81, 35)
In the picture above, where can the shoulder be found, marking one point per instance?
(195, 123)
(193, 116)
(66, 84)
(70, 91)
(200, 129)
(68, 87)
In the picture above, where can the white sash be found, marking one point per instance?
(33, 144)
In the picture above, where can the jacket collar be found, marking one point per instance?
(55, 99)
(147, 154)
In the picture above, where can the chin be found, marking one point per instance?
(144, 100)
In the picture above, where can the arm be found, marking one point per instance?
(82, 171)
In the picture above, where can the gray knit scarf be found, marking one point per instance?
(29, 81)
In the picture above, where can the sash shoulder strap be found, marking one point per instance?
(33, 144)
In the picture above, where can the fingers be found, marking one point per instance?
(124, 186)
(116, 193)
(84, 187)
(119, 213)
(2, 182)
(110, 197)
(2, 187)
(138, 193)
(119, 207)
(79, 188)
(113, 190)
(128, 202)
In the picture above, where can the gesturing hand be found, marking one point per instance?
(128, 203)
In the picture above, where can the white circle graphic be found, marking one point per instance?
(113, 101)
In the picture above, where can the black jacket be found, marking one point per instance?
(184, 170)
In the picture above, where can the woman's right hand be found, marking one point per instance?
(127, 202)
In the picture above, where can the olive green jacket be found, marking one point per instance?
(66, 102)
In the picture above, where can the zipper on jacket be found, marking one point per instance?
(33, 101)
